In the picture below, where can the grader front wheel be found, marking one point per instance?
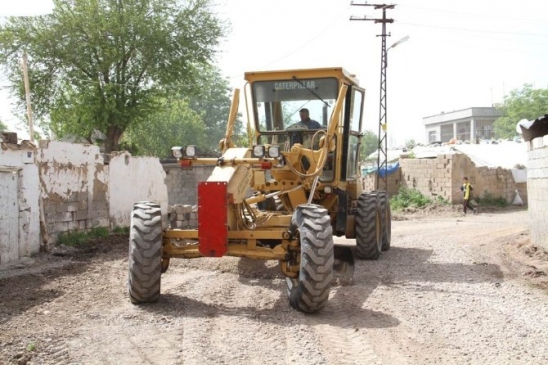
(310, 292)
(145, 253)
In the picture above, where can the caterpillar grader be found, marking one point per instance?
(281, 198)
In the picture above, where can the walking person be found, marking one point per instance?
(466, 188)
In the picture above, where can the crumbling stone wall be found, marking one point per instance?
(537, 185)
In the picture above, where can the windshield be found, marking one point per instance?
(277, 103)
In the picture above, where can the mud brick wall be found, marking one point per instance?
(537, 186)
(393, 182)
(182, 184)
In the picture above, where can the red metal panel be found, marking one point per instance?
(212, 218)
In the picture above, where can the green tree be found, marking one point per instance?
(199, 120)
(3, 127)
(370, 143)
(212, 103)
(527, 103)
(105, 64)
(176, 124)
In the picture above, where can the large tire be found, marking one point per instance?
(310, 292)
(386, 219)
(145, 253)
(368, 227)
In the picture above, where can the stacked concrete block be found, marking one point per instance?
(182, 216)
(537, 186)
(393, 182)
(182, 184)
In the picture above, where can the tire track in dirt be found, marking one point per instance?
(341, 333)
(247, 320)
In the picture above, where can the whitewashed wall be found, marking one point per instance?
(134, 179)
(74, 184)
(68, 186)
(24, 239)
(537, 189)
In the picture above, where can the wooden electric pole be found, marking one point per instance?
(27, 94)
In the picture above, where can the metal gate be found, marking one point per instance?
(9, 217)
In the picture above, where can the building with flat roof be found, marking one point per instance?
(465, 125)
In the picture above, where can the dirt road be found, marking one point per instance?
(452, 290)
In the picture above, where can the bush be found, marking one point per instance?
(81, 238)
(442, 200)
(120, 230)
(490, 201)
(408, 198)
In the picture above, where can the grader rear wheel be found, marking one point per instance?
(368, 228)
(145, 253)
(386, 218)
(310, 292)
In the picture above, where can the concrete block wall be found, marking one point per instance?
(537, 186)
(182, 184)
(432, 177)
(442, 177)
(496, 182)
(393, 182)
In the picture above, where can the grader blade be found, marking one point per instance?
(343, 266)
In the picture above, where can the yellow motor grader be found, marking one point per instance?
(283, 197)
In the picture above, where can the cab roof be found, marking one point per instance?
(337, 72)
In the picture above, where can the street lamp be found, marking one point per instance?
(403, 40)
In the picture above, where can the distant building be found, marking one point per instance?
(465, 125)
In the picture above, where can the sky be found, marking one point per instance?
(460, 54)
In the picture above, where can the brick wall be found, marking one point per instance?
(537, 186)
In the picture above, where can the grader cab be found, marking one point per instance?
(281, 198)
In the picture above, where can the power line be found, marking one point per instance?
(474, 30)
(482, 16)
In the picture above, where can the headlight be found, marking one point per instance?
(190, 151)
(327, 189)
(258, 151)
(274, 151)
(177, 152)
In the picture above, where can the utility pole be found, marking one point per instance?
(382, 159)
